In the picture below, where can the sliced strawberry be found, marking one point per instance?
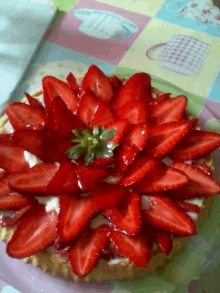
(103, 115)
(188, 207)
(104, 161)
(163, 213)
(10, 200)
(33, 181)
(63, 120)
(164, 241)
(137, 87)
(89, 175)
(35, 104)
(85, 252)
(160, 98)
(127, 218)
(135, 139)
(10, 221)
(22, 115)
(88, 105)
(141, 167)
(199, 185)
(65, 180)
(164, 178)
(72, 82)
(116, 83)
(168, 110)
(12, 159)
(134, 112)
(53, 87)
(203, 167)
(195, 145)
(96, 81)
(136, 248)
(3, 174)
(120, 127)
(163, 138)
(106, 196)
(35, 231)
(6, 139)
(75, 214)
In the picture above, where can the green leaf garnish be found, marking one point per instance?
(92, 144)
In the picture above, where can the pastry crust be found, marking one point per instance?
(105, 270)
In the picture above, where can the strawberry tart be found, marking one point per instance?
(102, 179)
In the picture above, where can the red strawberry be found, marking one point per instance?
(10, 200)
(116, 83)
(164, 178)
(85, 252)
(142, 166)
(9, 221)
(106, 196)
(12, 159)
(88, 105)
(200, 184)
(96, 81)
(35, 231)
(135, 139)
(103, 115)
(120, 127)
(195, 145)
(189, 207)
(72, 83)
(136, 248)
(163, 240)
(163, 213)
(136, 88)
(160, 98)
(63, 120)
(6, 139)
(127, 218)
(34, 103)
(163, 138)
(35, 180)
(134, 112)
(203, 167)
(104, 161)
(75, 214)
(168, 110)
(53, 87)
(3, 174)
(94, 174)
(65, 180)
(22, 115)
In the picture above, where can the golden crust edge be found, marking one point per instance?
(104, 270)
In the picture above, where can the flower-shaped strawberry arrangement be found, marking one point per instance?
(101, 146)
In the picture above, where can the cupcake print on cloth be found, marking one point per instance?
(182, 54)
(99, 30)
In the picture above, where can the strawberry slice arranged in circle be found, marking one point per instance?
(87, 107)
(12, 159)
(75, 214)
(116, 83)
(188, 207)
(22, 115)
(199, 185)
(127, 218)
(9, 221)
(120, 127)
(72, 83)
(96, 81)
(84, 254)
(161, 212)
(34, 103)
(134, 112)
(136, 248)
(168, 110)
(35, 231)
(163, 138)
(35, 181)
(195, 145)
(162, 179)
(53, 87)
(136, 88)
(164, 241)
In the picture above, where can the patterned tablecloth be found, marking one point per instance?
(178, 43)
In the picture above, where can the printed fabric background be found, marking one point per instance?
(177, 42)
